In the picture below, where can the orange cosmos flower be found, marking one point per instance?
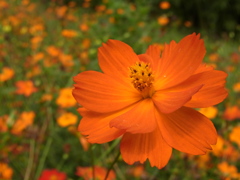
(26, 119)
(69, 33)
(25, 87)
(100, 172)
(3, 123)
(65, 98)
(163, 20)
(67, 119)
(235, 134)
(52, 174)
(164, 5)
(6, 172)
(210, 112)
(231, 113)
(148, 98)
(7, 73)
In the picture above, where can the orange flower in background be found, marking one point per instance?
(61, 11)
(46, 97)
(218, 148)
(84, 142)
(83, 27)
(69, 33)
(148, 99)
(100, 172)
(210, 112)
(53, 51)
(3, 5)
(234, 136)
(229, 170)
(164, 5)
(236, 87)
(213, 57)
(231, 113)
(25, 88)
(66, 60)
(7, 73)
(6, 172)
(163, 20)
(67, 119)
(65, 98)
(3, 123)
(26, 119)
(137, 171)
(52, 174)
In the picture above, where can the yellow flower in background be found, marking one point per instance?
(6, 172)
(26, 119)
(7, 73)
(234, 136)
(210, 112)
(67, 119)
(65, 98)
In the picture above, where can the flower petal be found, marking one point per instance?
(188, 131)
(213, 91)
(170, 100)
(140, 119)
(154, 51)
(101, 93)
(115, 57)
(180, 61)
(139, 147)
(96, 126)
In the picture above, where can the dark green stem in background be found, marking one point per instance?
(111, 166)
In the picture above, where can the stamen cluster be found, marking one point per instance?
(141, 76)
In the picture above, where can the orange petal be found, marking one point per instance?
(188, 131)
(170, 100)
(115, 57)
(101, 93)
(202, 68)
(213, 91)
(140, 119)
(139, 147)
(96, 126)
(180, 61)
(154, 51)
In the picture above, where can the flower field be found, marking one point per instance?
(44, 45)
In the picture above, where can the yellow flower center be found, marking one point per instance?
(142, 78)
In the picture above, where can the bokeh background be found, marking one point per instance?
(44, 43)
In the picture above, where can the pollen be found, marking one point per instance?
(141, 76)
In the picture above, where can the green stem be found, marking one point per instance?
(43, 158)
(31, 159)
(111, 166)
(92, 162)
